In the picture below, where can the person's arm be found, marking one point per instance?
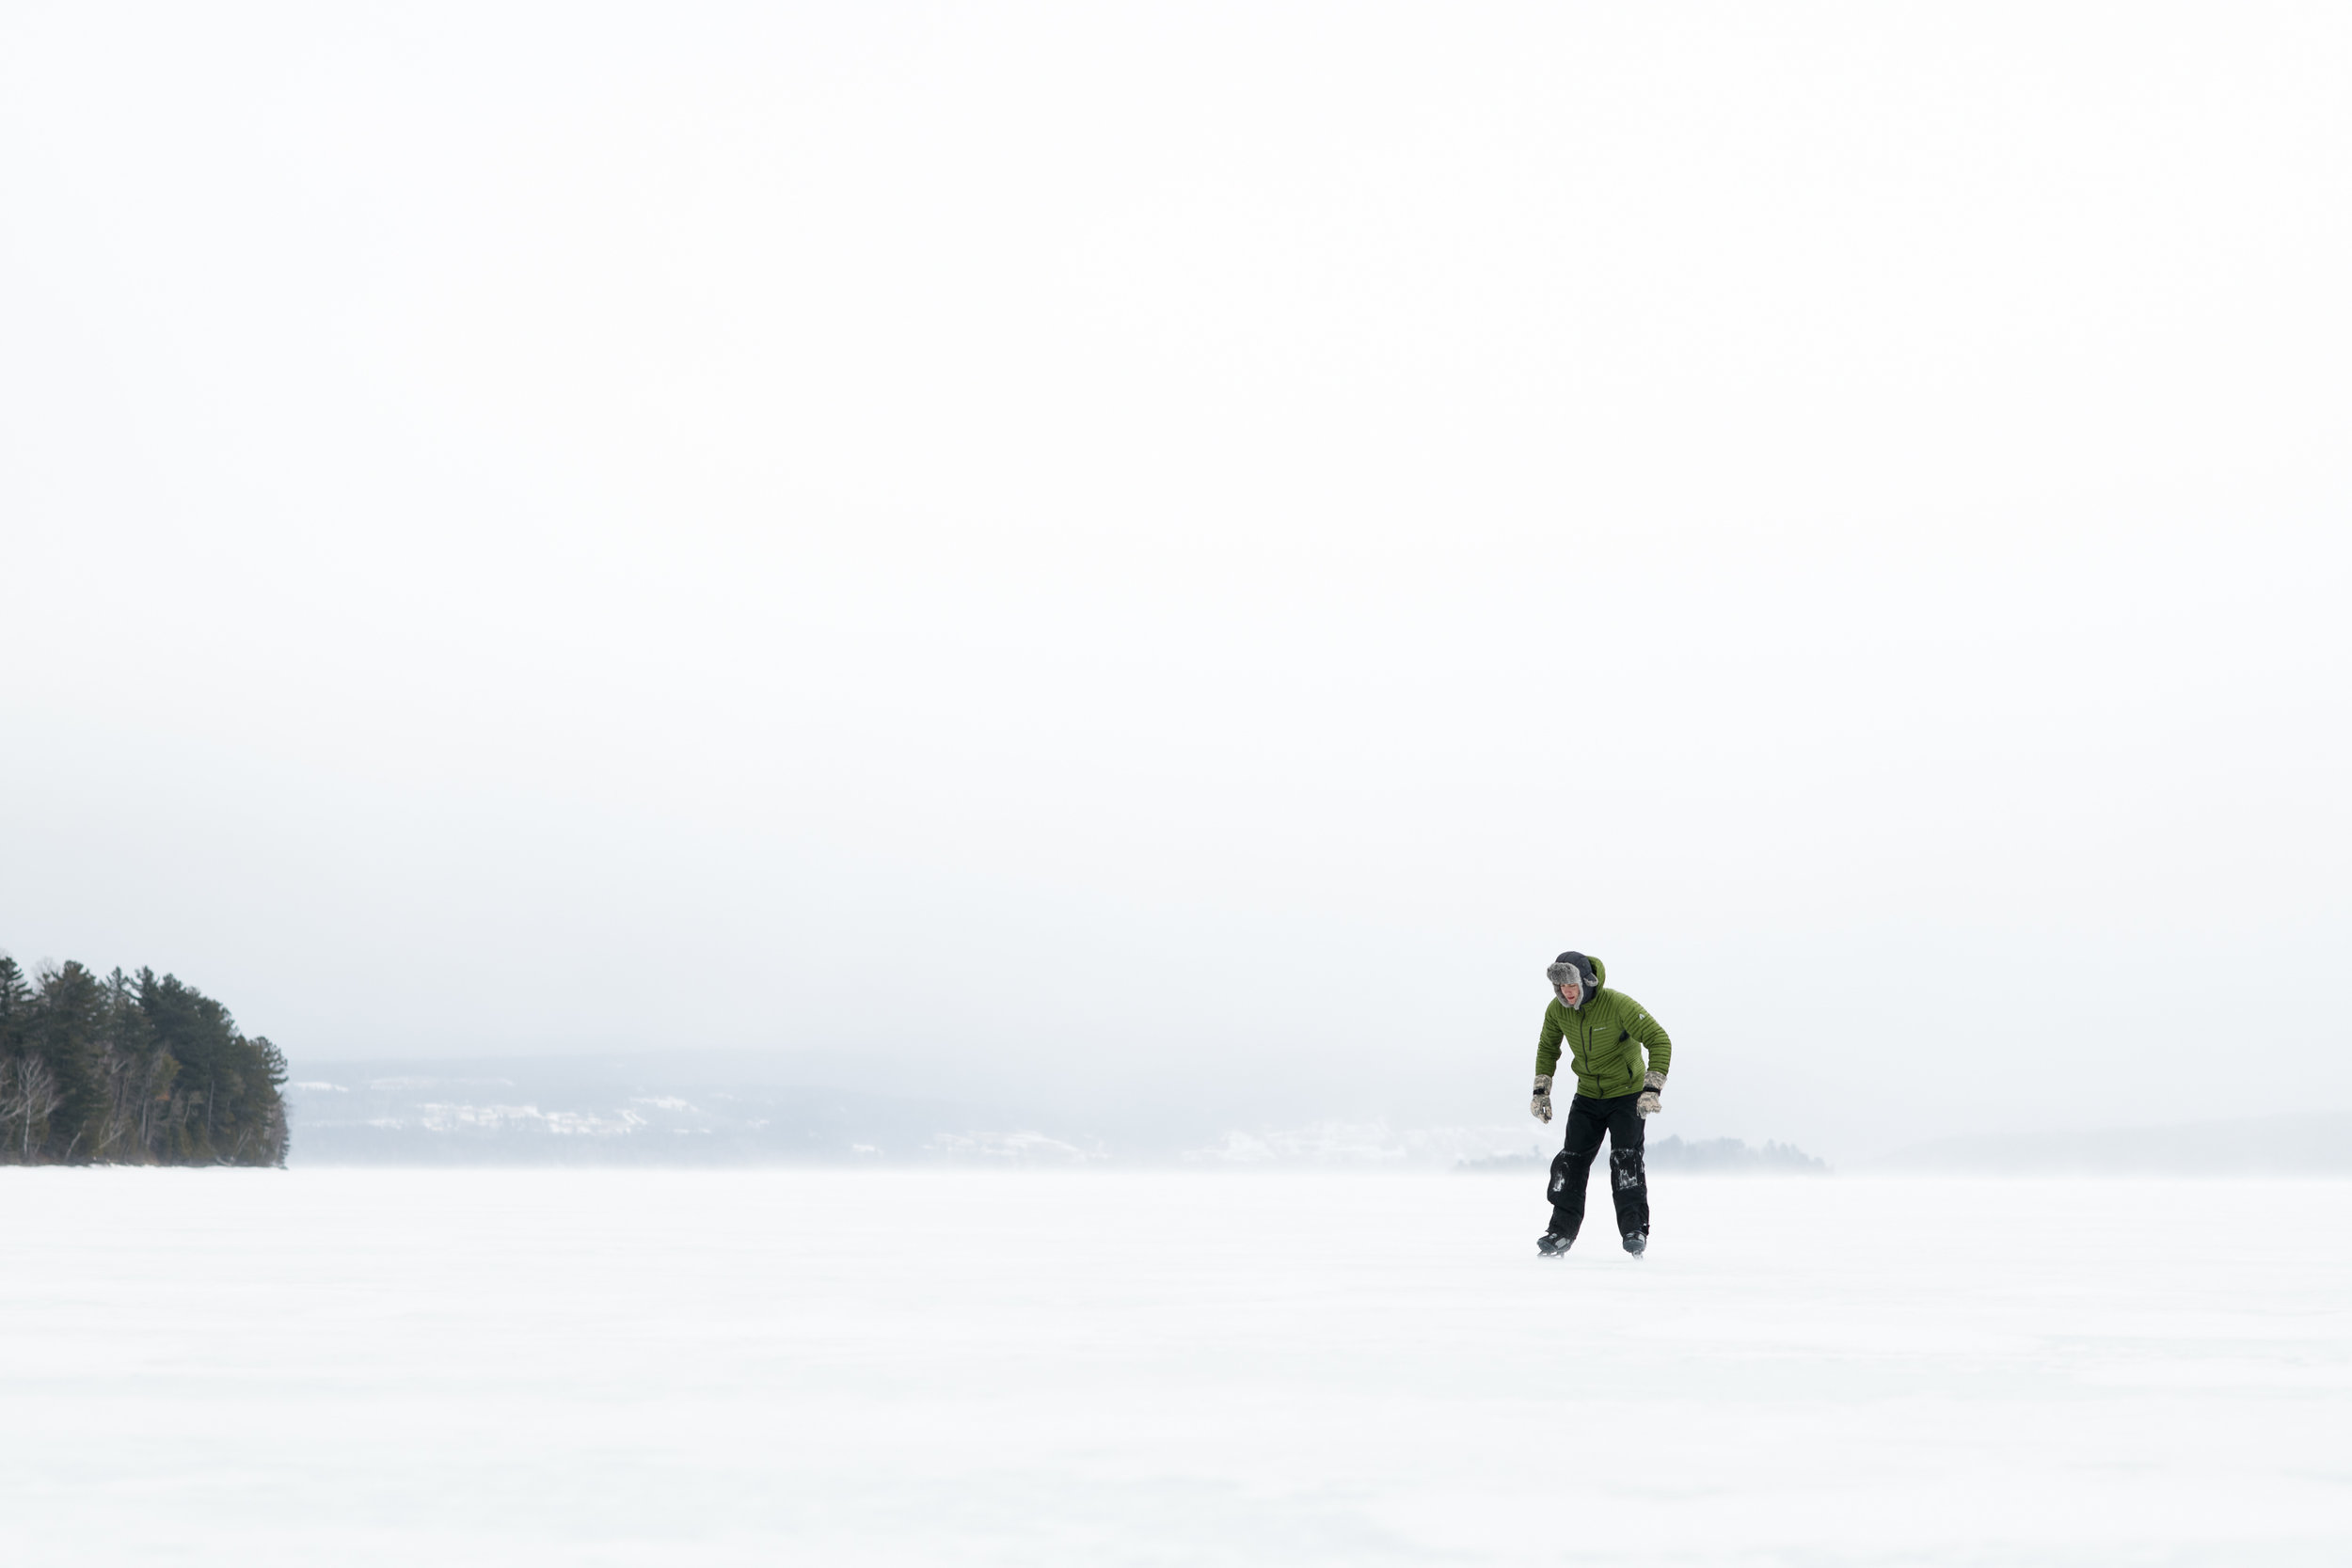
(1661, 1050)
(1547, 1058)
(1548, 1047)
(1653, 1038)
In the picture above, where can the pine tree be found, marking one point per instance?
(235, 1114)
(68, 1035)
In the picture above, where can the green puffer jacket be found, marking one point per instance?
(1605, 1039)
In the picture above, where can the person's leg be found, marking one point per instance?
(1573, 1165)
(1629, 1183)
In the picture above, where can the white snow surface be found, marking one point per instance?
(362, 1366)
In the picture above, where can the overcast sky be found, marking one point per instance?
(1187, 551)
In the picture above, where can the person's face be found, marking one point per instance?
(1571, 992)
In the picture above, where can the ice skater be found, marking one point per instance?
(1606, 1032)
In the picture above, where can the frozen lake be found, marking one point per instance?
(520, 1367)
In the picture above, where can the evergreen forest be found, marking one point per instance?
(131, 1070)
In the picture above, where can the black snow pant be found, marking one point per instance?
(1573, 1165)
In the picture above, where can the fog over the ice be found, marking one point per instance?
(1137, 552)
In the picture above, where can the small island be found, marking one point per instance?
(131, 1070)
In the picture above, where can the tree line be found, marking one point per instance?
(131, 1070)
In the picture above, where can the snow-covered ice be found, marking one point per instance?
(357, 1367)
